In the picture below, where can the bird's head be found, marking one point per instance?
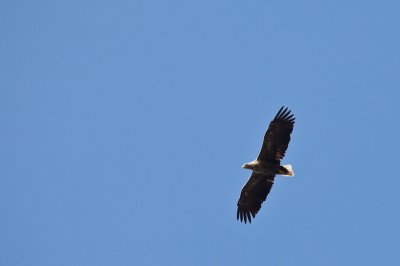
(248, 166)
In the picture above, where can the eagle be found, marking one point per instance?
(266, 166)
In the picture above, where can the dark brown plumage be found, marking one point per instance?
(277, 137)
(266, 166)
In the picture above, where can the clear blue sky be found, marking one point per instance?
(124, 126)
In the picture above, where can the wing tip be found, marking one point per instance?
(284, 113)
(279, 112)
(244, 215)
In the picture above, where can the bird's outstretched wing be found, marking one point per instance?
(277, 137)
(253, 194)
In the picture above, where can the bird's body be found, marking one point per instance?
(269, 168)
(266, 166)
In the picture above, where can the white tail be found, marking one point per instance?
(288, 167)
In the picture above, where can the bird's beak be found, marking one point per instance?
(244, 166)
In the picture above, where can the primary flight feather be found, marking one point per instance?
(266, 166)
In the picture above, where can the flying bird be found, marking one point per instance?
(266, 166)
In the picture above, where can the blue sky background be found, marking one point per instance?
(124, 126)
